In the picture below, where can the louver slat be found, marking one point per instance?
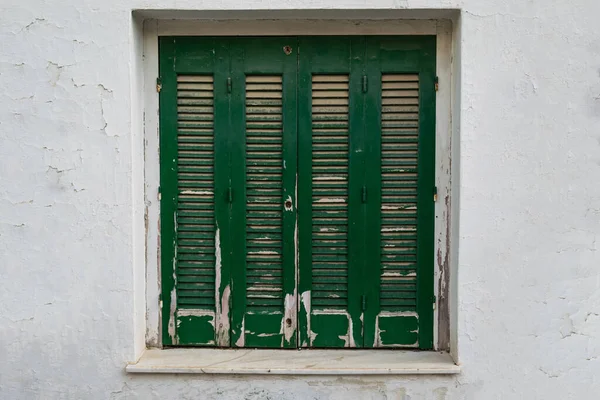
(329, 193)
(399, 157)
(195, 224)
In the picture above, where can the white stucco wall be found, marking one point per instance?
(72, 206)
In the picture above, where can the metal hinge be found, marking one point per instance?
(435, 193)
(437, 84)
(158, 84)
(159, 194)
(434, 301)
(365, 84)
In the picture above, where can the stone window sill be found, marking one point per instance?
(293, 362)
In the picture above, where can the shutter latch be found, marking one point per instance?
(364, 194)
(365, 85)
(229, 195)
(363, 302)
(229, 85)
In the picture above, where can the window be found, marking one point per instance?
(297, 185)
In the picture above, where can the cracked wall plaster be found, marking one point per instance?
(528, 325)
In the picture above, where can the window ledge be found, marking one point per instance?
(293, 362)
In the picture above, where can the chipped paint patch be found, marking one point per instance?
(240, 342)
(329, 178)
(221, 302)
(198, 192)
(194, 313)
(305, 300)
(350, 342)
(222, 326)
(398, 229)
(328, 229)
(171, 327)
(398, 275)
(290, 313)
(398, 314)
(173, 295)
(331, 200)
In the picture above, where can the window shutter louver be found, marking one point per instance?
(195, 225)
(330, 145)
(264, 211)
(399, 158)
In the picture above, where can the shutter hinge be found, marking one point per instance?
(437, 84)
(435, 193)
(434, 301)
(230, 194)
(159, 194)
(363, 301)
(229, 85)
(365, 84)
(158, 84)
(364, 194)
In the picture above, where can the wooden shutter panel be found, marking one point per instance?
(194, 215)
(330, 164)
(400, 118)
(264, 171)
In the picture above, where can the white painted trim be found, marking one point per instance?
(155, 28)
(293, 362)
(295, 27)
(443, 156)
(152, 180)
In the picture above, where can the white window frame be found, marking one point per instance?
(144, 69)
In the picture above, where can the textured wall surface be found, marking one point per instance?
(71, 208)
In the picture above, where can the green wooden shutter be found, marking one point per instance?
(255, 241)
(264, 282)
(189, 234)
(329, 192)
(397, 322)
(400, 160)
